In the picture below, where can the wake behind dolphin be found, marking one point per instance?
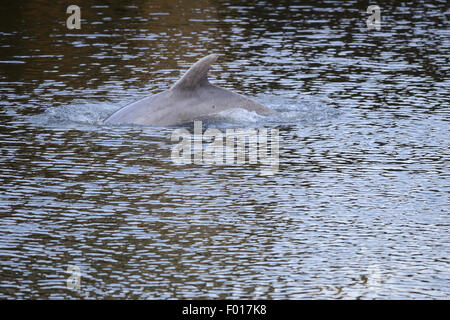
(191, 98)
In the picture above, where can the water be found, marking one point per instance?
(358, 209)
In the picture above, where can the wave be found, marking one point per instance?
(305, 109)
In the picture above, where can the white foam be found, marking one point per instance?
(73, 114)
(290, 110)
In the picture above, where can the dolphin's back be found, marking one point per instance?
(190, 98)
(134, 111)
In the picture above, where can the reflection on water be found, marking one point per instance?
(358, 208)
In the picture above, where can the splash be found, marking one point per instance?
(77, 114)
(290, 110)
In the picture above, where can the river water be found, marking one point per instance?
(358, 208)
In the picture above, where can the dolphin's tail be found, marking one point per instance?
(197, 75)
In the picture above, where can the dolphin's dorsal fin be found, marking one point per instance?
(197, 75)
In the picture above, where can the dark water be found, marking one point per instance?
(358, 209)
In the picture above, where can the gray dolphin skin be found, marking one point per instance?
(191, 98)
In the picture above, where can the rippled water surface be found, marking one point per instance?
(359, 207)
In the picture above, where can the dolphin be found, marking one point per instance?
(191, 98)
